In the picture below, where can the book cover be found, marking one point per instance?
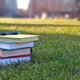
(7, 61)
(9, 33)
(13, 46)
(11, 53)
(18, 38)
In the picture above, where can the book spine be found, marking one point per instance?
(16, 56)
(16, 48)
(14, 60)
(18, 40)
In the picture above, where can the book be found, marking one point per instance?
(7, 61)
(13, 46)
(18, 38)
(12, 53)
(9, 33)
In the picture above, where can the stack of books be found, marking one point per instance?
(16, 47)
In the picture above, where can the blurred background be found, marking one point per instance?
(40, 8)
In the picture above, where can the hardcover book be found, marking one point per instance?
(12, 53)
(13, 46)
(18, 38)
(7, 61)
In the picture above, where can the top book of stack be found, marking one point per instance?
(18, 38)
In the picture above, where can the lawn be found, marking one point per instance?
(56, 55)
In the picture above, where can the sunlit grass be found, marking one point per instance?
(43, 29)
(40, 21)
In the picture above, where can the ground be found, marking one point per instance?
(56, 55)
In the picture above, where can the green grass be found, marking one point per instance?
(56, 55)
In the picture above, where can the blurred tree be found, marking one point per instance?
(52, 8)
(78, 8)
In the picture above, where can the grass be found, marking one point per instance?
(56, 55)
(66, 22)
